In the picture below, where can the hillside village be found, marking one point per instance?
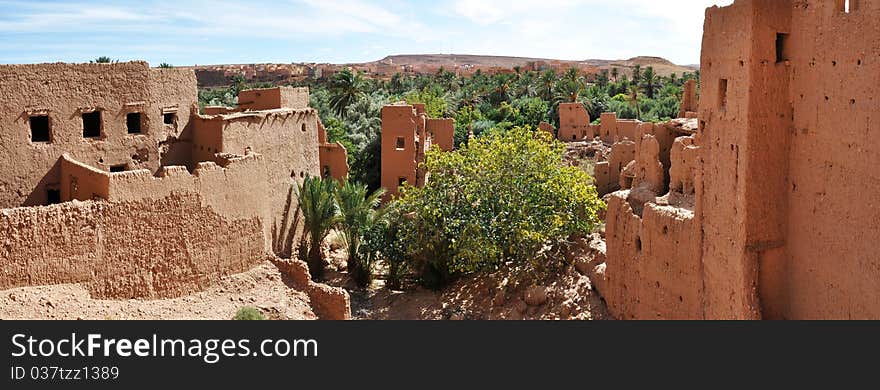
(548, 190)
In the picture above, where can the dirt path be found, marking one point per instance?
(263, 287)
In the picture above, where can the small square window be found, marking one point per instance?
(53, 196)
(326, 171)
(91, 124)
(169, 118)
(722, 94)
(40, 129)
(133, 122)
(401, 143)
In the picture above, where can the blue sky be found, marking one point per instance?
(189, 32)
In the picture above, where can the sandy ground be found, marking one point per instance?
(262, 287)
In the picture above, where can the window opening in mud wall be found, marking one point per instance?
(40, 131)
(133, 123)
(781, 47)
(53, 196)
(91, 124)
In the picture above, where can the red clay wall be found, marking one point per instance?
(442, 132)
(832, 266)
(574, 122)
(688, 99)
(334, 160)
(273, 98)
(653, 268)
(63, 92)
(334, 157)
(144, 249)
(398, 121)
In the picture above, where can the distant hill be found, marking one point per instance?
(661, 65)
(222, 75)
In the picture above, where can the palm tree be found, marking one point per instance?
(346, 87)
(650, 82)
(614, 73)
(634, 100)
(358, 213)
(570, 86)
(637, 74)
(319, 215)
(546, 82)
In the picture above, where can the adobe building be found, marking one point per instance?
(770, 210)
(110, 177)
(407, 133)
(574, 123)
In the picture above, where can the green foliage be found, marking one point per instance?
(166, 65)
(346, 88)
(435, 106)
(358, 216)
(103, 60)
(318, 206)
(505, 197)
(248, 313)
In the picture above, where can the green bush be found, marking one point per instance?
(504, 197)
(248, 313)
(358, 215)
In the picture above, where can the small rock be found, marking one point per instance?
(519, 306)
(536, 296)
(498, 299)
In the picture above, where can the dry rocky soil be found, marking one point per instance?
(263, 287)
(564, 294)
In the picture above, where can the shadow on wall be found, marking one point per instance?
(48, 190)
(284, 233)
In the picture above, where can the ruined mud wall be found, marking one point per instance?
(143, 249)
(63, 92)
(574, 122)
(442, 132)
(288, 142)
(334, 161)
(274, 98)
(173, 92)
(653, 268)
(689, 105)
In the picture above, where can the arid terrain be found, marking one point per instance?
(506, 294)
(224, 74)
(262, 287)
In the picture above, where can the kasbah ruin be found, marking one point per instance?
(761, 201)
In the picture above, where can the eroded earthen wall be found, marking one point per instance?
(63, 92)
(653, 268)
(143, 249)
(442, 133)
(574, 122)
